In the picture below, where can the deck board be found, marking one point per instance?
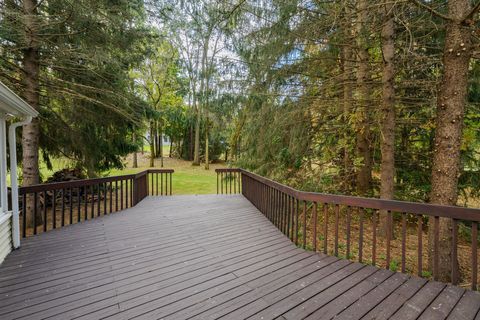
(204, 257)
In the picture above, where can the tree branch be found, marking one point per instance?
(422, 5)
(472, 12)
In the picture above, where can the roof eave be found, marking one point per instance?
(13, 104)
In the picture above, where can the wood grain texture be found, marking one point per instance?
(203, 257)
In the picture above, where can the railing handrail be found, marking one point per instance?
(228, 170)
(47, 206)
(434, 210)
(86, 182)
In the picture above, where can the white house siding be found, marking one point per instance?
(5, 236)
(14, 108)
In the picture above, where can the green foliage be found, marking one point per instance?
(302, 103)
(87, 48)
(394, 265)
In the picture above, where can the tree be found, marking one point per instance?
(452, 97)
(47, 56)
(199, 35)
(363, 102)
(387, 118)
(157, 80)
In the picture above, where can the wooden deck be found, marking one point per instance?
(205, 257)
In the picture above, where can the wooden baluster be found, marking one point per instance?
(455, 273)
(99, 202)
(111, 196)
(276, 209)
(105, 196)
(325, 228)
(304, 224)
(54, 209)
(297, 203)
(35, 206)
(79, 201)
(234, 182)
(374, 240)
(360, 238)
(474, 255)
(419, 245)
(348, 226)
(24, 211)
(86, 202)
(152, 184)
(314, 243)
(279, 210)
(92, 207)
(436, 237)
(121, 194)
(239, 182)
(63, 207)
(128, 193)
(269, 204)
(131, 192)
(285, 214)
(337, 216)
(70, 200)
(389, 238)
(292, 213)
(288, 215)
(262, 196)
(116, 195)
(404, 240)
(45, 224)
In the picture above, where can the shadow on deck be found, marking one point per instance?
(205, 257)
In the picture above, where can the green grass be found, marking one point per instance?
(187, 179)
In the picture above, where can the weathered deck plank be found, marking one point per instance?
(204, 257)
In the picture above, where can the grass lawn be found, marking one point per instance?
(187, 179)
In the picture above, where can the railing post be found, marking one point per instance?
(135, 190)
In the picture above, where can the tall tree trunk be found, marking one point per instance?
(362, 116)
(170, 152)
(31, 131)
(190, 143)
(135, 155)
(207, 160)
(152, 145)
(348, 175)
(387, 120)
(160, 144)
(196, 150)
(451, 100)
(157, 149)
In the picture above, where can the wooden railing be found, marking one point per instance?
(228, 181)
(350, 227)
(45, 207)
